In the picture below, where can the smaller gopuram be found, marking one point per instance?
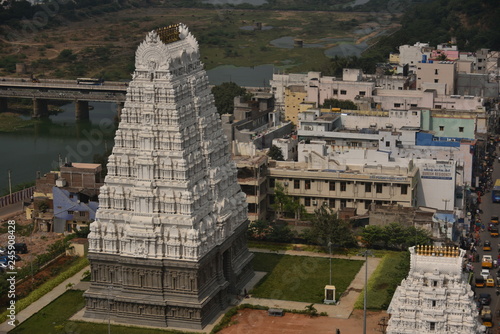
(435, 297)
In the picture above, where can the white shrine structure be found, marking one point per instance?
(168, 247)
(435, 297)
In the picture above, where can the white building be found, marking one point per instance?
(435, 297)
(168, 247)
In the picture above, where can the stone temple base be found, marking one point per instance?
(168, 293)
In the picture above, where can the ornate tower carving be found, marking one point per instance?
(168, 245)
(435, 297)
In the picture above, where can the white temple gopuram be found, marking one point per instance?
(168, 247)
(435, 297)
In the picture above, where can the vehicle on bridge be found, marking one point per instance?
(89, 81)
(495, 192)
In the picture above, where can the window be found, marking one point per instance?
(70, 212)
(296, 184)
(367, 205)
(272, 182)
(387, 143)
(434, 283)
(432, 326)
(332, 185)
(437, 106)
(343, 203)
(307, 201)
(460, 129)
(404, 189)
(397, 105)
(368, 187)
(433, 303)
(82, 213)
(379, 188)
(436, 80)
(343, 92)
(335, 92)
(343, 186)
(307, 184)
(332, 202)
(441, 128)
(436, 71)
(362, 93)
(414, 113)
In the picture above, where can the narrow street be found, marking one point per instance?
(489, 209)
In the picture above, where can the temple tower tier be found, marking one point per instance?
(168, 247)
(435, 297)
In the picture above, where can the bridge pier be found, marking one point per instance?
(119, 108)
(82, 110)
(3, 104)
(40, 108)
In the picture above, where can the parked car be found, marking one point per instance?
(485, 298)
(15, 256)
(19, 247)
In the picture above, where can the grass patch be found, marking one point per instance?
(47, 287)
(53, 318)
(10, 122)
(382, 284)
(301, 278)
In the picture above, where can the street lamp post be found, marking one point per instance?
(365, 295)
(330, 246)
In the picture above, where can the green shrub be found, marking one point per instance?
(47, 287)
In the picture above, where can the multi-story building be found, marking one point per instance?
(353, 183)
(435, 297)
(438, 75)
(252, 178)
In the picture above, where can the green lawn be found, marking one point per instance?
(301, 278)
(384, 280)
(54, 319)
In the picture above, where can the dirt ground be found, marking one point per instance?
(257, 322)
(37, 243)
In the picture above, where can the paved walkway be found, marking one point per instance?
(342, 309)
(44, 301)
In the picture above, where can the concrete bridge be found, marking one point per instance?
(43, 90)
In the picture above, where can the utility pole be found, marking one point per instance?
(10, 184)
(365, 295)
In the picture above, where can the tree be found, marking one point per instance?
(328, 227)
(342, 104)
(394, 236)
(275, 153)
(311, 310)
(224, 95)
(284, 203)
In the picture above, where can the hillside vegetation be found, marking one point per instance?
(474, 23)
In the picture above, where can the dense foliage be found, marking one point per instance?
(474, 24)
(394, 236)
(327, 227)
(275, 153)
(224, 95)
(342, 104)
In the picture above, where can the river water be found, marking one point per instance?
(40, 149)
